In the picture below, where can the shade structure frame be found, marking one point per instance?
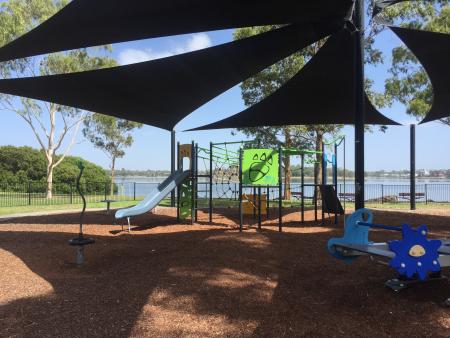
(86, 23)
(432, 50)
(163, 92)
(322, 92)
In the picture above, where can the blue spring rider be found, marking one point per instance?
(415, 255)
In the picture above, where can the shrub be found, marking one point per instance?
(21, 165)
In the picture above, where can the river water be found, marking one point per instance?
(429, 190)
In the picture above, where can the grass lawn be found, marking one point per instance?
(402, 206)
(42, 208)
(202, 203)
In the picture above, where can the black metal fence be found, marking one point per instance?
(34, 193)
(398, 193)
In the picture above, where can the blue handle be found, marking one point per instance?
(379, 226)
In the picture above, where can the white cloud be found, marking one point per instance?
(194, 42)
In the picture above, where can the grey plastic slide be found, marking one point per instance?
(156, 196)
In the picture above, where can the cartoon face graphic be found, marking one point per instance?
(260, 167)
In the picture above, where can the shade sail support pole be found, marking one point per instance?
(172, 163)
(412, 173)
(359, 104)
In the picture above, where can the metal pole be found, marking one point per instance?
(179, 166)
(192, 179)
(254, 203)
(303, 188)
(29, 193)
(280, 191)
(210, 181)
(359, 104)
(335, 182)
(412, 172)
(259, 207)
(196, 182)
(241, 220)
(345, 175)
(324, 180)
(315, 203)
(172, 164)
(324, 165)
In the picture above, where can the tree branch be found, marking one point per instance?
(72, 142)
(30, 123)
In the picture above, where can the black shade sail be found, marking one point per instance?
(162, 92)
(84, 23)
(322, 92)
(433, 52)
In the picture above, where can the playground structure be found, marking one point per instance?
(80, 241)
(329, 193)
(415, 257)
(240, 173)
(247, 177)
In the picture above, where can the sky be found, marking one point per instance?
(151, 149)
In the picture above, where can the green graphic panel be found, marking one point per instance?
(260, 167)
(185, 199)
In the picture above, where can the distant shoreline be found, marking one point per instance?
(311, 177)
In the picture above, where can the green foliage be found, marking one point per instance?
(268, 81)
(20, 165)
(143, 173)
(55, 127)
(309, 172)
(409, 83)
(110, 134)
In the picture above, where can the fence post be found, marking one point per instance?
(106, 191)
(382, 194)
(71, 193)
(426, 193)
(29, 193)
(134, 191)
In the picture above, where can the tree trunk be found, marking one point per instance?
(113, 172)
(287, 177)
(287, 166)
(49, 193)
(318, 166)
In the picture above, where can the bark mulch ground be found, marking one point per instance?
(179, 280)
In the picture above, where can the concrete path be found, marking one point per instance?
(49, 212)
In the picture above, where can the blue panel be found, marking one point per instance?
(353, 233)
(408, 265)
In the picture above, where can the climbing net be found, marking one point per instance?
(225, 173)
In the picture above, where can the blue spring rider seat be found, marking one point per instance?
(415, 254)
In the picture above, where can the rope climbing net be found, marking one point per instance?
(225, 173)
